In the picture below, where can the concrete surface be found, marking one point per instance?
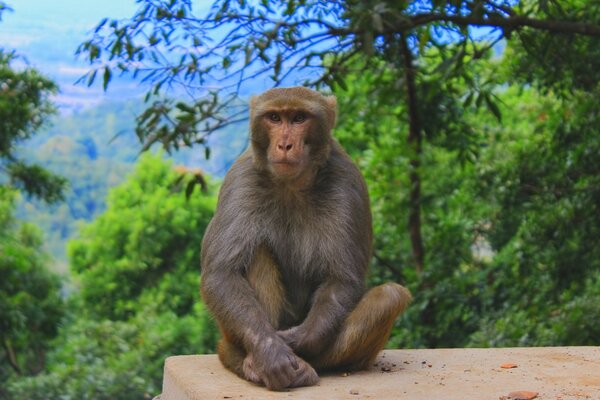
(555, 373)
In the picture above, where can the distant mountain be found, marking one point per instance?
(95, 149)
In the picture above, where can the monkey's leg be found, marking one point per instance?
(231, 356)
(264, 277)
(366, 330)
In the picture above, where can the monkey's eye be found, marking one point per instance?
(299, 118)
(274, 117)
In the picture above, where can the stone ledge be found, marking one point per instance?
(556, 373)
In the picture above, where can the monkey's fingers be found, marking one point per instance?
(294, 362)
(281, 373)
(305, 375)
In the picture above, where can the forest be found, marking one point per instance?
(474, 122)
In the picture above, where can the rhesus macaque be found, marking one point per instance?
(285, 256)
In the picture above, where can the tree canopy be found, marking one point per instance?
(24, 107)
(135, 303)
(30, 303)
(213, 54)
(216, 51)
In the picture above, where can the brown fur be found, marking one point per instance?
(284, 258)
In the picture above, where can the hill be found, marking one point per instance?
(95, 149)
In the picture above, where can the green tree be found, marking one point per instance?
(136, 269)
(144, 249)
(445, 309)
(544, 225)
(513, 236)
(30, 301)
(167, 43)
(24, 108)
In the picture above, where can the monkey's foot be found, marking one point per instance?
(249, 372)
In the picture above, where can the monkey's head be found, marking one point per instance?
(290, 129)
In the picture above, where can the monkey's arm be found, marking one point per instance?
(244, 323)
(233, 302)
(228, 247)
(226, 254)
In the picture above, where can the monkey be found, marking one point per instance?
(285, 256)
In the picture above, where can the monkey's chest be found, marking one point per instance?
(301, 261)
(300, 250)
(303, 236)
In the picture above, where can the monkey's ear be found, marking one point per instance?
(331, 110)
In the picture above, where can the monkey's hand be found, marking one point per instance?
(303, 344)
(277, 367)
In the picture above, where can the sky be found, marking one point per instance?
(48, 32)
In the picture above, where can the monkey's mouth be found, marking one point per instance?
(286, 162)
(285, 167)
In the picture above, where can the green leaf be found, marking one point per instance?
(190, 188)
(468, 99)
(226, 62)
(493, 107)
(277, 64)
(340, 81)
(106, 78)
(91, 77)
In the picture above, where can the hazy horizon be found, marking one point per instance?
(47, 35)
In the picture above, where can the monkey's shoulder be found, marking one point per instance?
(341, 165)
(240, 176)
(340, 177)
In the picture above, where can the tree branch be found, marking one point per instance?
(11, 356)
(397, 273)
(414, 141)
(513, 22)
(510, 23)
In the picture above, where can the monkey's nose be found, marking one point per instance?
(285, 147)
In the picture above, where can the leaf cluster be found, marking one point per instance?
(24, 108)
(31, 306)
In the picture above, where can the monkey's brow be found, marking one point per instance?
(287, 110)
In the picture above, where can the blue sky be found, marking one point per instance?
(47, 33)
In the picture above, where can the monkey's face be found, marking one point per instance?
(291, 130)
(288, 133)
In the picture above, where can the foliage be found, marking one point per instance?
(30, 302)
(144, 248)
(512, 234)
(24, 107)
(549, 179)
(136, 267)
(176, 43)
(450, 211)
(105, 359)
(235, 42)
